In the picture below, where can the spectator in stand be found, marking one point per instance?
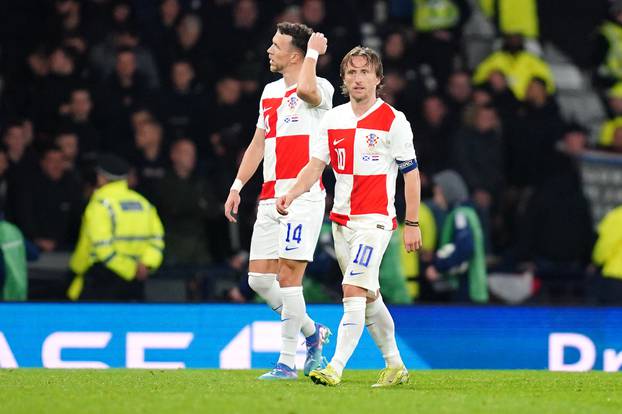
(78, 119)
(22, 164)
(189, 45)
(458, 93)
(124, 89)
(513, 16)
(609, 137)
(55, 91)
(67, 142)
(226, 124)
(24, 83)
(612, 142)
(104, 56)
(502, 97)
(559, 253)
(150, 162)
(607, 49)
(67, 20)
(48, 211)
(438, 24)
(243, 37)
(614, 100)
(122, 15)
(162, 33)
(532, 137)
(433, 137)
(399, 67)
(608, 256)
(185, 201)
(478, 156)
(184, 106)
(518, 65)
(342, 32)
(458, 269)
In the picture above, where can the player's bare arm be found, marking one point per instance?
(250, 162)
(307, 88)
(412, 193)
(304, 181)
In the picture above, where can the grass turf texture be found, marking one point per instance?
(214, 391)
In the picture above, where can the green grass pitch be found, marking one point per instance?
(215, 391)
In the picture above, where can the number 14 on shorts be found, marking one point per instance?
(294, 234)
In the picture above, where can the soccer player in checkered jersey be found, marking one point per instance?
(366, 141)
(289, 113)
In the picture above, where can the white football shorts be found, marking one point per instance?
(293, 236)
(359, 253)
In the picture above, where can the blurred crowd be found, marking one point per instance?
(173, 86)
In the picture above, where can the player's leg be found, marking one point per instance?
(364, 254)
(263, 260)
(382, 329)
(294, 308)
(298, 234)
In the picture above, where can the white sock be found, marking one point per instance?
(350, 331)
(382, 329)
(266, 286)
(294, 310)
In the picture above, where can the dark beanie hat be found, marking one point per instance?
(112, 166)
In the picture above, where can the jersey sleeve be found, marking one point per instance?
(402, 147)
(319, 143)
(326, 92)
(260, 118)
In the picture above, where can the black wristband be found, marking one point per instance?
(411, 223)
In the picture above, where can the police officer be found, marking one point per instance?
(121, 239)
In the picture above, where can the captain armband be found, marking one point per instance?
(407, 166)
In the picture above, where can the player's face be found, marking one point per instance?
(360, 79)
(280, 52)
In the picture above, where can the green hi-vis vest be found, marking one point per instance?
(613, 63)
(478, 289)
(14, 254)
(435, 15)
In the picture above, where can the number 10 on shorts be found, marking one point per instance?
(363, 255)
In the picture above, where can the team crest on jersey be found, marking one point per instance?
(372, 139)
(292, 102)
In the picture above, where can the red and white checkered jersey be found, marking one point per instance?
(364, 153)
(289, 122)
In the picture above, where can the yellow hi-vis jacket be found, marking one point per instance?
(432, 15)
(119, 229)
(608, 131)
(612, 66)
(608, 249)
(519, 70)
(514, 16)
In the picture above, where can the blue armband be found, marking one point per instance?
(406, 166)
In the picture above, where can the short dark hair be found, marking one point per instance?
(299, 32)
